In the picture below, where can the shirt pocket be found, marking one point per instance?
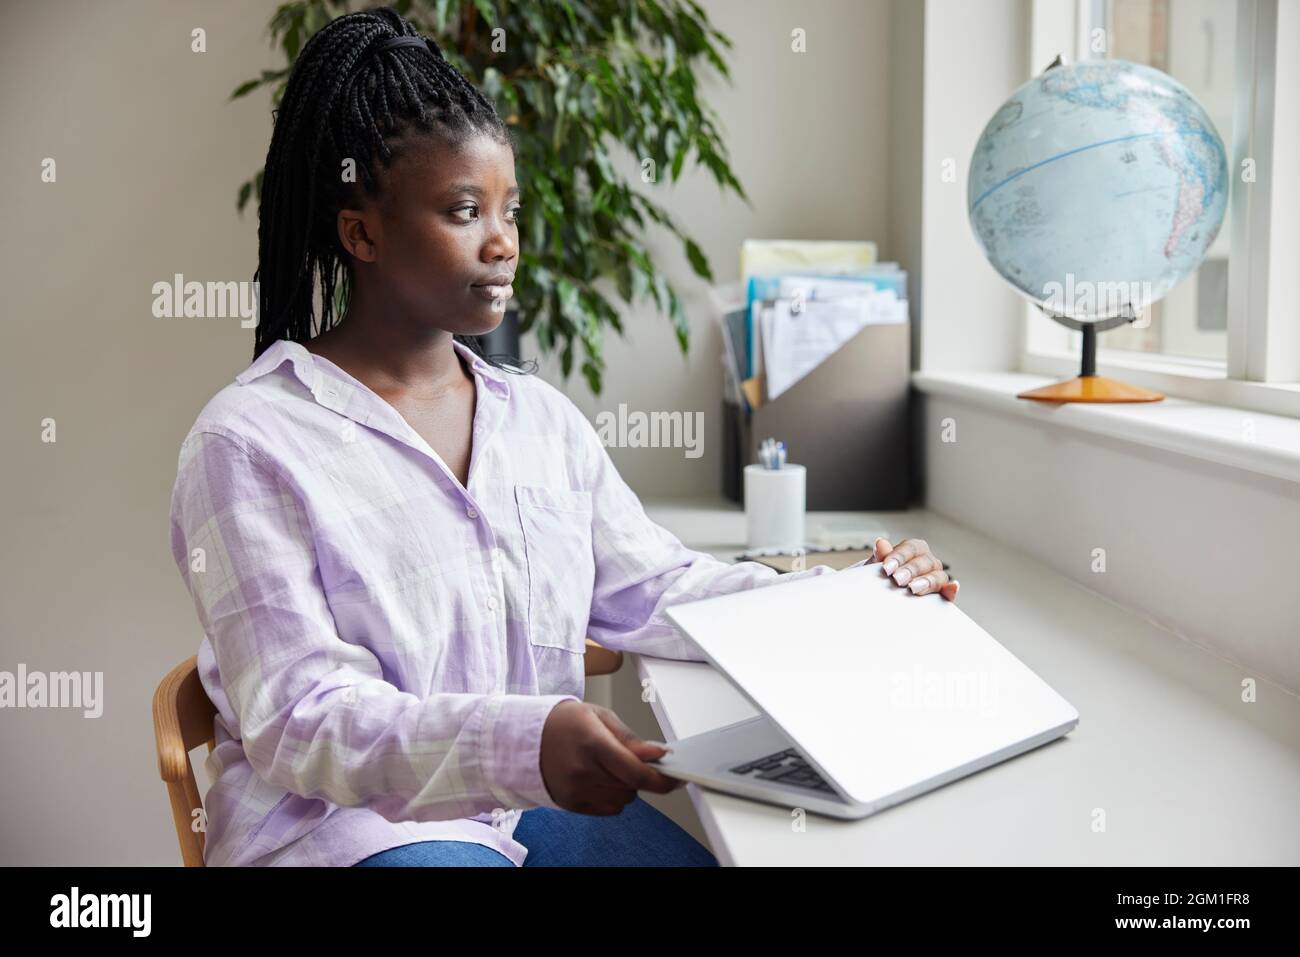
(561, 568)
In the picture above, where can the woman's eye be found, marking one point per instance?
(473, 211)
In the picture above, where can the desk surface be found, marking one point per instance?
(1184, 771)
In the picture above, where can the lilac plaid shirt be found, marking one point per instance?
(383, 645)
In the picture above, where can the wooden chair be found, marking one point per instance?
(182, 720)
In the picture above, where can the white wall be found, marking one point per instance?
(1203, 549)
(906, 161)
(976, 54)
(149, 157)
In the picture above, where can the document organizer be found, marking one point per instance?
(847, 421)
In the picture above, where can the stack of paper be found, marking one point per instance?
(765, 257)
(796, 342)
(797, 303)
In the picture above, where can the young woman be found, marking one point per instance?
(397, 548)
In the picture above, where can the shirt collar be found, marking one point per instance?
(306, 370)
(484, 368)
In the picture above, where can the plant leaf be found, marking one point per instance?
(699, 262)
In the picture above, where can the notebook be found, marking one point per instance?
(836, 558)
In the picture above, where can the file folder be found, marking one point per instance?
(848, 421)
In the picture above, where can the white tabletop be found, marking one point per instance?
(1168, 766)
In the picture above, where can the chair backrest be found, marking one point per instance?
(600, 660)
(182, 720)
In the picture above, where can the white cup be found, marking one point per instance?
(774, 506)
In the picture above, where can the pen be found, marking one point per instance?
(771, 454)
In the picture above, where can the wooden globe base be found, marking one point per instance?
(1091, 388)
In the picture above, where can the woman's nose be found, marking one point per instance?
(501, 243)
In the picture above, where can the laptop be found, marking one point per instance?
(867, 695)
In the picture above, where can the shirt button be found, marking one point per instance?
(471, 512)
(492, 603)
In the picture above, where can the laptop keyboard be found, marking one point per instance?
(788, 767)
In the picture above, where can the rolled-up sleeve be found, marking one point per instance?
(642, 568)
(313, 712)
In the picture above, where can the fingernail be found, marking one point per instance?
(904, 574)
(920, 585)
(890, 565)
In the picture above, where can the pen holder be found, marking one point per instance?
(774, 506)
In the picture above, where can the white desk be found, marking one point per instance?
(1186, 773)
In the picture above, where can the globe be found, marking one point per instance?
(1096, 188)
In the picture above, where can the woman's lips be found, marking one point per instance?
(491, 293)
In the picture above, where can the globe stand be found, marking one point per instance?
(1087, 386)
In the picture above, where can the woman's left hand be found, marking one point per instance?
(911, 564)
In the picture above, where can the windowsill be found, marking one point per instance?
(1148, 362)
(1257, 442)
(1191, 379)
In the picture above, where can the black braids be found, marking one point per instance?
(346, 100)
(287, 204)
(411, 95)
(437, 91)
(379, 91)
(291, 287)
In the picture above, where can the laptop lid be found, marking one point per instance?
(881, 689)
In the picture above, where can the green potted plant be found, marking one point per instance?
(571, 78)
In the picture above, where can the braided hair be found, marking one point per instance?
(347, 99)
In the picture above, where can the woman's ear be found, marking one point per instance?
(355, 234)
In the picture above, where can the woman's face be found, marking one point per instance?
(443, 236)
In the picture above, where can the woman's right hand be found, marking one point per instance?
(592, 763)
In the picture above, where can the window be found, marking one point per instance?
(1192, 41)
(1236, 317)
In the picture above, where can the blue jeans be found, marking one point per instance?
(638, 836)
